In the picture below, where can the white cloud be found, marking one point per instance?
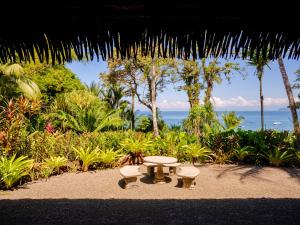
(218, 102)
(237, 101)
(165, 104)
(240, 101)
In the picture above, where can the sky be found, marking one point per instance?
(241, 94)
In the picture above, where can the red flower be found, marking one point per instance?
(49, 128)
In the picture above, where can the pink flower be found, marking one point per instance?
(49, 128)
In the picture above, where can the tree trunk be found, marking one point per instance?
(292, 103)
(132, 108)
(196, 90)
(208, 92)
(153, 100)
(260, 75)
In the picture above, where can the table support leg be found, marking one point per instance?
(159, 176)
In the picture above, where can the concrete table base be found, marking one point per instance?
(159, 176)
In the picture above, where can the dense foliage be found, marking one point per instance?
(51, 123)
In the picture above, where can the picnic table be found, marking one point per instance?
(161, 161)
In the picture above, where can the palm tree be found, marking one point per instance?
(113, 95)
(83, 112)
(13, 82)
(292, 103)
(189, 73)
(94, 88)
(212, 73)
(259, 63)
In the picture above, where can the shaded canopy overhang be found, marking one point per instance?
(188, 29)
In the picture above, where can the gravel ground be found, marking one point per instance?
(223, 195)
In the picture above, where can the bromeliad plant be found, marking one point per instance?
(242, 153)
(277, 157)
(136, 147)
(54, 163)
(109, 156)
(13, 169)
(196, 152)
(87, 156)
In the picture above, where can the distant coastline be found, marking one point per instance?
(274, 119)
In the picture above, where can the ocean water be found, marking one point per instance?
(278, 120)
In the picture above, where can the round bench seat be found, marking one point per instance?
(130, 171)
(190, 172)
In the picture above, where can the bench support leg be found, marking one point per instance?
(172, 171)
(189, 183)
(129, 182)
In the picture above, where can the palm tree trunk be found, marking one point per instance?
(292, 103)
(195, 91)
(208, 92)
(132, 108)
(153, 101)
(260, 75)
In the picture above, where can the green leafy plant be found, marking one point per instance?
(221, 157)
(277, 157)
(109, 156)
(54, 163)
(196, 152)
(135, 146)
(298, 156)
(87, 156)
(242, 153)
(82, 111)
(45, 171)
(231, 120)
(13, 169)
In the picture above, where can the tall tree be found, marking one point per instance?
(259, 62)
(155, 74)
(123, 73)
(189, 74)
(292, 104)
(94, 88)
(212, 73)
(52, 80)
(297, 86)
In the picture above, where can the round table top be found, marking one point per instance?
(160, 159)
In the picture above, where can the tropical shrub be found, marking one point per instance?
(82, 111)
(87, 156)
(15, 124)
(109, 156)
(231, 120)
(221, 157)
(225, 141)
(136, 146)
(298, 156)
(54, 163)
(200, 117)
(197, 152)
(277, 157)
(42, 145)
(13, 169)
(145, 124)
(241, 153)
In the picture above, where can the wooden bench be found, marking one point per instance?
(150, 168)
(172, 168)
(188, 175)
(130, 174)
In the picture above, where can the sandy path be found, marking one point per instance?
(224, 195)
(214, 181)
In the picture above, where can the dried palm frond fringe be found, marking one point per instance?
(186, 45)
